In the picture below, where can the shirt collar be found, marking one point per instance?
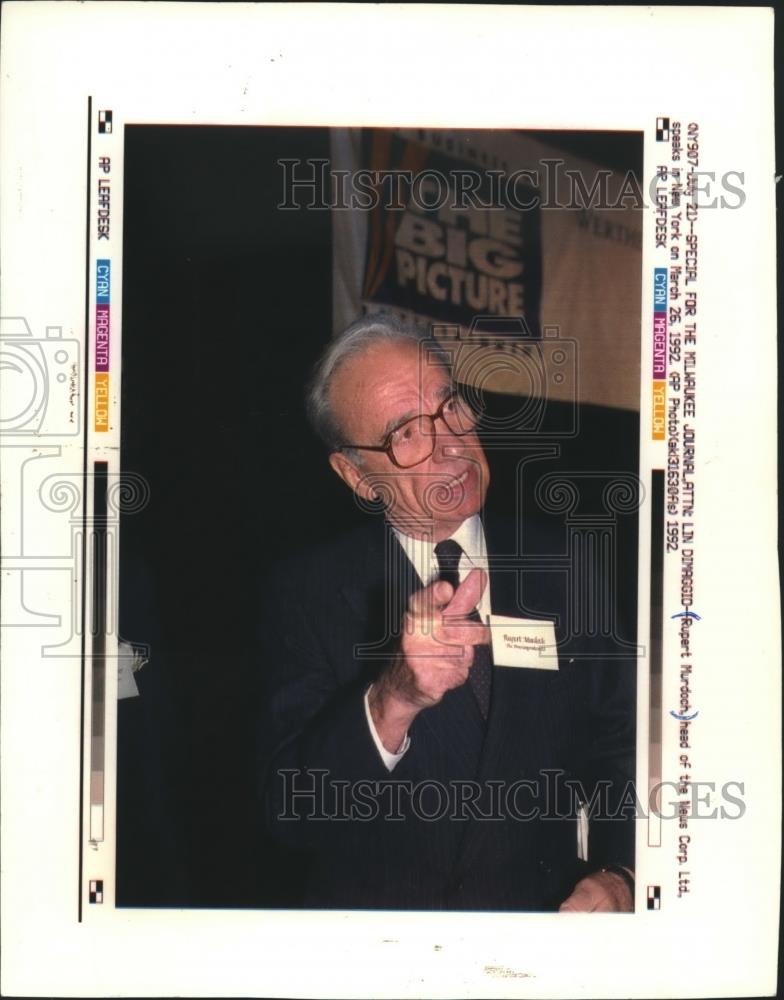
(470, 536)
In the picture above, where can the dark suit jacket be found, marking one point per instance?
(403, 839)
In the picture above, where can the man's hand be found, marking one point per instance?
(601, 892)
(436, 653)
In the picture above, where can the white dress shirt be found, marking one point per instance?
(470, 537)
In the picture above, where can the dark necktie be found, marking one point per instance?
(480, 676)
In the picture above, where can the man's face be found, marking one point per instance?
(372, 394)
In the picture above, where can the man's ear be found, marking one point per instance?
(351, 475)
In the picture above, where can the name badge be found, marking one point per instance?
(523, 642)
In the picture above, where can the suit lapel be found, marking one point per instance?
(447, 739)
(380, 581)
(519, 723)
(455, 734)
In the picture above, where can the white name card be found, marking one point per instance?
(523, 642)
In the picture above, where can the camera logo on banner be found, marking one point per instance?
(500, 354)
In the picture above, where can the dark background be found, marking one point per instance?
(226, 303)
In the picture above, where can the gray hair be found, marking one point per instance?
(354, 340)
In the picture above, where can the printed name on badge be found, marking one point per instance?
(523, 642)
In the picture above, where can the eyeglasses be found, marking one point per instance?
(414, 440)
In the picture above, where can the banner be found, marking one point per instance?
(445, 243)
(465, 229)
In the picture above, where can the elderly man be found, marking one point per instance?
(406, 767)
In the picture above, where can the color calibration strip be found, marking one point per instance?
(103, 270)
(659, 353)
(655, 639)
(98, 631)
